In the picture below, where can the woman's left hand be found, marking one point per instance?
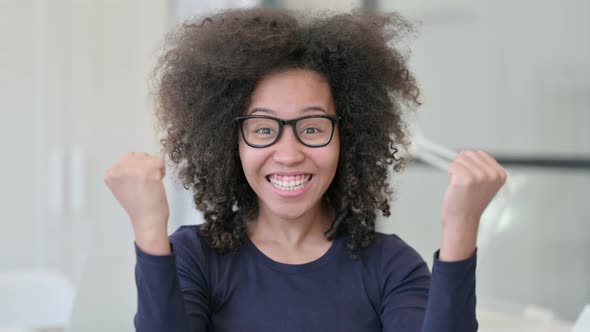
(474, 179)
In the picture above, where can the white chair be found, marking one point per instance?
(34, 299)
(502, 316)
(583, 322)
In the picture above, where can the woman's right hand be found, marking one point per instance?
(136, 182)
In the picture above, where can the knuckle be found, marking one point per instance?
(465, 180)
(494, 178)
(479, 179)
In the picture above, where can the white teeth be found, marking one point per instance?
(289, 182)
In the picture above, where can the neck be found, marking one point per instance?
(292, 232)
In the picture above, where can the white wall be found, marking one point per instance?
(17, 136)
(506, 75)
(311, 5)
(73, 94)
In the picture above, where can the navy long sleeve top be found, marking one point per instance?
(389, 288)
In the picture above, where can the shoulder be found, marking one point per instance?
(186, 240)
(186, 235)
(391, 246)
(394, 256)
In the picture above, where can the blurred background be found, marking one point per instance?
(509, 77)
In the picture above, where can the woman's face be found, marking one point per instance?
(288, 177)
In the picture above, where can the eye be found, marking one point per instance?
(310, 130)
(263, 131)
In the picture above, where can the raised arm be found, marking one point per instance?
(171, 294)
(474, 179)
(136, 182)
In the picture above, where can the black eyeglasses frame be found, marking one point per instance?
(293, 123)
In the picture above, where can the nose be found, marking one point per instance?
(288, 150)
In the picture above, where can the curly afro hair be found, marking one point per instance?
(208, 71)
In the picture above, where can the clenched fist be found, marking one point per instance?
(136, 182)
(474, 179)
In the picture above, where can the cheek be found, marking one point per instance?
(250, 158)
(328, 157)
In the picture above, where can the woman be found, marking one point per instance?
(285, 128)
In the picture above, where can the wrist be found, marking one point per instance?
(451, 252)
(458, 242)
(153, 242)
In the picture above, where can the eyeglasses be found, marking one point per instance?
(260, 131)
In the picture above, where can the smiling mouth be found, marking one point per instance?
(289, 183)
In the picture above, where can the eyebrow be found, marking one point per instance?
(304, 110)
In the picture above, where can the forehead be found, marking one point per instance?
(289, 93)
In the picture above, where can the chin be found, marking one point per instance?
(288, 211)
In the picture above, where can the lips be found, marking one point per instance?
(289, 182)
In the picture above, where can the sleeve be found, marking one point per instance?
(451, 301)
(171, 291)
(415, 301)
